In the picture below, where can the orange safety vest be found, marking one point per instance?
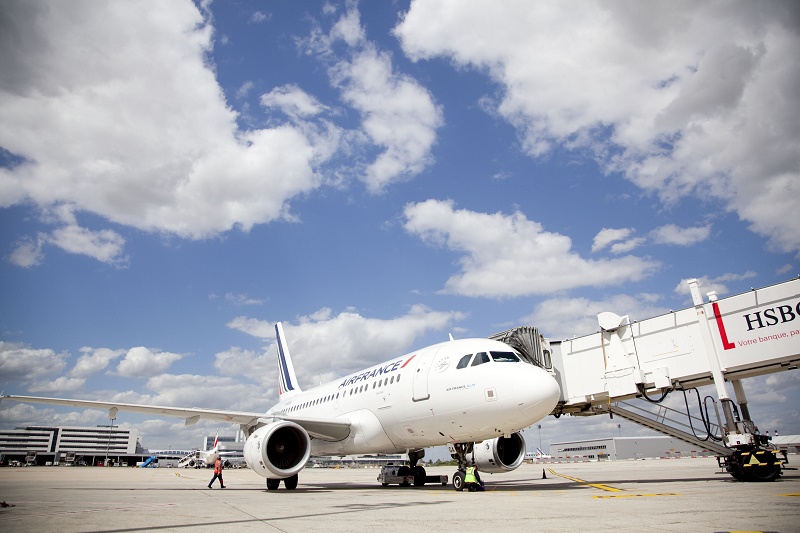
(218, 466)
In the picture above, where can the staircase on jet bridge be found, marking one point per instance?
(660, 422)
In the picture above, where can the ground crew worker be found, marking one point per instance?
(217, 474)
(472, 479)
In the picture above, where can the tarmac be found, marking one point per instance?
(687, 494)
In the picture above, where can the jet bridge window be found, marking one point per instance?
(464, 361)
(480, 358)
(505, 357)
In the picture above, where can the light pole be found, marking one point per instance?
(540, 437)
(112, 414)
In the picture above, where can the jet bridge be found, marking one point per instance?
(714, 342)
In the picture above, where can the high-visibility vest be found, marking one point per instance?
(470, 477)
(218, 466)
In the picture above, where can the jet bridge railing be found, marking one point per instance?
(697, 431)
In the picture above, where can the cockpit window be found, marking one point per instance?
(464, 361)
(505, 357)
(480, 358)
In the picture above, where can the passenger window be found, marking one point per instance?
(480, 358)
(505, 357)
(464, 361)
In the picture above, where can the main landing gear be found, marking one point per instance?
(459, 452)
(290, 483)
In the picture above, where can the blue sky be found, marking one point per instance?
(176, 177)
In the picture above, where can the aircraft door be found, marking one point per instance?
(420, 381)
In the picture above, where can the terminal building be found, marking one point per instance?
(90, 445)
(624, 448)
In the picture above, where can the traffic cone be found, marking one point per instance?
(544, 474)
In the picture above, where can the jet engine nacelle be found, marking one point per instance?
(499, 455)
(277, 450)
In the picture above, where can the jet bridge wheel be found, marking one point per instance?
(755, 465)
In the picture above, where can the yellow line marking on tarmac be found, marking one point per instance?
(608, 488)
(792, 494)
(638, 495)
(595, 485)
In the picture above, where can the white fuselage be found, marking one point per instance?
(426, 398)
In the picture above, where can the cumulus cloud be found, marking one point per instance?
(398, 115)
(142, 362)
(140, 134)
(60, 384)
(563, 318)
(607, 236)
(325, 346)
(201, 390)
(27, 252)
(672, 234)
(293, 101)
(716, 284)
(509, 255)
(93, 360)
(241, 299)
(18, 362)
(686, 98)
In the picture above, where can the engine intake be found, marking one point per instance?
(499, 455)
(277, 450)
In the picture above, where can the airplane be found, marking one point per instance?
(200, 458)
(473, 395)
(538, 455)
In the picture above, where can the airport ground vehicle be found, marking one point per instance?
(406, 476)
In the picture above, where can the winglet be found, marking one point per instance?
(288, 380)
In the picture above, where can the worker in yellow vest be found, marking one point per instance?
(472, 479)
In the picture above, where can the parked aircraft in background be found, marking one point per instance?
(474, 395)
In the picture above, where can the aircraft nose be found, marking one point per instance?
(536, 392)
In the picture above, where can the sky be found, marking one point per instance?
(176, 177)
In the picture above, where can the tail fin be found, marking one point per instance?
(288, 380)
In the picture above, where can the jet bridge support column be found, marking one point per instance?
(741, 399)
(713, 358)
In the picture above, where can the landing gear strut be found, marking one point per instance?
(459, 452)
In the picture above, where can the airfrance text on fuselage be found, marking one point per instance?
(385, 369)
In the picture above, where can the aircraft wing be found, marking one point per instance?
(192, 415)
(329, 429)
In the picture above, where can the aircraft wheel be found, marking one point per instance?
(419, 476)
(290, 482)
(273, 484)
(458, 480)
